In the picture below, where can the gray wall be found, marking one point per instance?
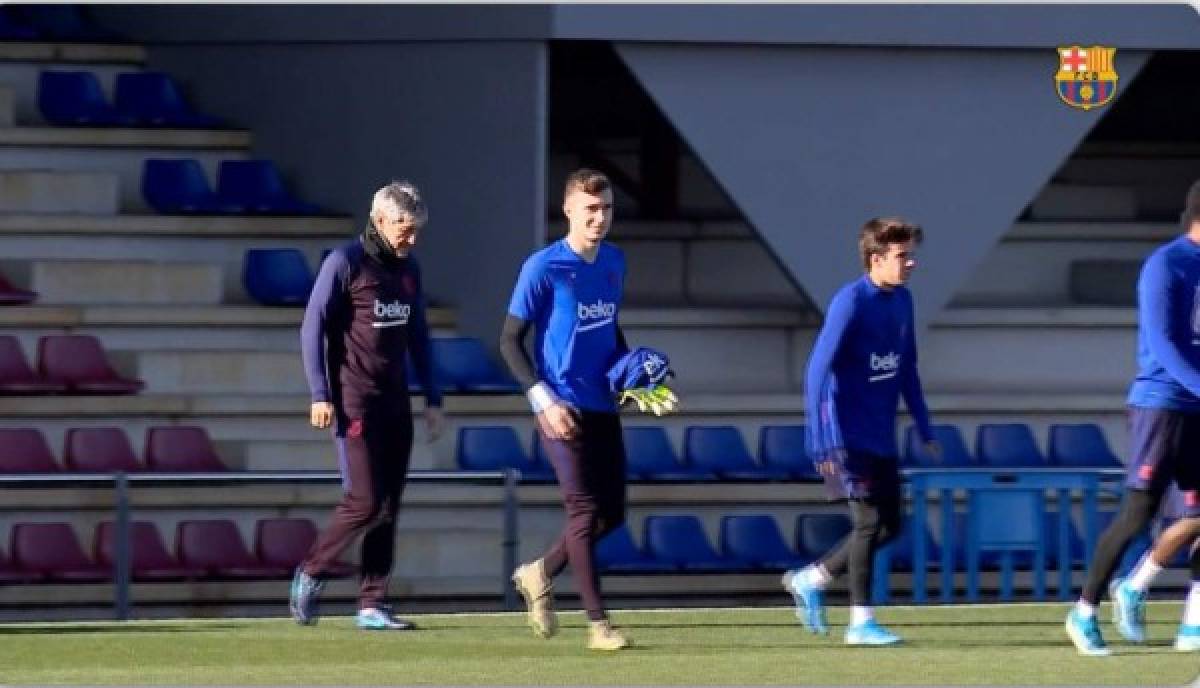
(810, 142)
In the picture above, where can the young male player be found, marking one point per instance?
(366, 313)
(864, 360)
(1164, 422)
(570, 293)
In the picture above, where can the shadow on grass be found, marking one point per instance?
(115, 627)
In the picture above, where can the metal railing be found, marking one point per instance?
(122, 484)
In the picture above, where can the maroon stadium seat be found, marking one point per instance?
(216, 547)
(16, 377)
(181, 449)
(149, 558)
(24, 450)
(286, 541)
(52, 550)
(9, 573)
(12, 296)
(99, 450)
(79, 362)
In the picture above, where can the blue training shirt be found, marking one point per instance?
(865, 357)
(573, 306)
(1168, 351)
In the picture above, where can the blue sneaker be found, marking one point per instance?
(1085, 633)
(381, 619)
(1188, 638)
(809, 601)
(1129, 610)
(302, 600)
(870, 633)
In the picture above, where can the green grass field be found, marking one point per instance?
(1015, 644)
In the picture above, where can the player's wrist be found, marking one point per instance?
(541, 397)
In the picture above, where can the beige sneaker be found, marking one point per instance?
(538, 591)
(602, 636)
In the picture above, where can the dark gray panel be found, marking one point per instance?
(810, 142)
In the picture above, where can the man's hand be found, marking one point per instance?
(559, 421)
(828, 465)
(321, 414)
(435, 423)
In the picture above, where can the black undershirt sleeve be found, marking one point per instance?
(512, 350)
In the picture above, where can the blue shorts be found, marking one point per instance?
(1165, 449)
(864, 476)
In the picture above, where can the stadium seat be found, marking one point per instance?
(543, 469)
(181, 448)
(462, 364)
(179, 186)
(10, 573)
(1080, 446)
(784, 447)
(277, 276)
(494, 448)
(76, 99)
(720, 449)
(1007, 445)
(817, 534)
(24, 450)
(755, 540)
(285, 542)
(149, 559)
(216, 547)
(257, 186)
(153, 99)
(99, 450)
(16, 377)
(53, 551)
(616, 553)
(649, 456)
(680, 540)
(14, 296)
(954, 449)
(79, 362)
(1022, 529)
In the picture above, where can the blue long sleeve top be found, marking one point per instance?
(1168, 343)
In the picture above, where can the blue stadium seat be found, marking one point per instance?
(463, 365)
(277, 276)
(1020, 529)
(1080, 446)
(257, 186)
(954, 449)
(179, 186)
(817, 534)
(75, 99)
(616, 553)
(783, 447)
(542, 468)
(680, 540)
(755, 541)
(1007, 445)
(153, 99)
(649, 456)
(898, 552)
(720, 449)
(493, 448)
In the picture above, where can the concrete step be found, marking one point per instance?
(221, 372)
(22, 77)
(60, 137)
(126, 282)
(706, 271)
(81, 53)
(8, 107)
(1080, 202)
(28, 190)
(1159, 184)
(330, 229)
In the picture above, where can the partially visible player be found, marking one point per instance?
(1164, 423)
(864, 360)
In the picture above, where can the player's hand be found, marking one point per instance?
(559, 421)
(435, 423)
(828, 465)
(321, 414)
(934, 449)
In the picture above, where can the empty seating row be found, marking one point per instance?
(141, 99)
(174, 448)
(66, 364)
(67, 23)
(14, 296)
(719, 452)
(204, 550)
(180, 186)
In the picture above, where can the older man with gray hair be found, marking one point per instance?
(365, 316)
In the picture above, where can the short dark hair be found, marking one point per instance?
(879, 232)
(587, 180)
(1191, 207)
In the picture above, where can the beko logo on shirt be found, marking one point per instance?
(396, 312)
(602, 312)
(885, 366)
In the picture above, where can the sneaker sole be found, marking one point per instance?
(1080, 643)
(538, 630)
(1120, 612)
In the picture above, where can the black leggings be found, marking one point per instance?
(1137, 510)
(877, 520)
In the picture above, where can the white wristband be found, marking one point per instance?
(541, 397)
